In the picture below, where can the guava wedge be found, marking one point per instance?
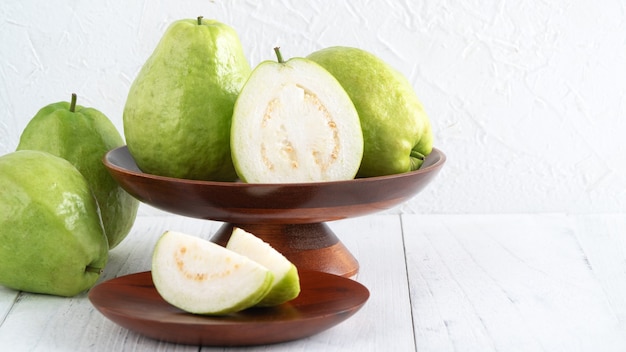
(202, 277)
(294, 122)
(286, 285)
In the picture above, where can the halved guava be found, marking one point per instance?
(294, 122)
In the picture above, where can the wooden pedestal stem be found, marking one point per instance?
(308, 246)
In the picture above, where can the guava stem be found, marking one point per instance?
(279, 56)
(417, 155)
(91, 269)
(73, 103)
(200, 20)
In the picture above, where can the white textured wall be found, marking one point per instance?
(527, 98)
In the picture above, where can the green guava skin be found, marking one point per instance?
(396, 130)
(83, 137)
(287, 289)
(51, 236)
(179, 109)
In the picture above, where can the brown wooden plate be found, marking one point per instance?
(325, 301)
(270, 203)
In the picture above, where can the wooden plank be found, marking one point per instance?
(384, 324)
(505, 283)
(603, 237)
(7, 299)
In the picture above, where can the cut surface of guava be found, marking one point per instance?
(202, 277)
(294, 122)
(286, 284)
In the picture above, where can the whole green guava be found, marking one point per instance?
(178, 111)
(51, 236)
(396, 130)
(83, 136)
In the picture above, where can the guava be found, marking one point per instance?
(178, 112)
(202, 277)
(293, 122)
(397, 132)
(51, 236)
(286, 285)
(83, 135)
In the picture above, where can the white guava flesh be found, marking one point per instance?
(294, 122)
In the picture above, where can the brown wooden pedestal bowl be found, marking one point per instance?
(290, 216)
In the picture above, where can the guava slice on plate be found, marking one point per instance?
(202, 277)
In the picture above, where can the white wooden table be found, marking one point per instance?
(551, 282)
